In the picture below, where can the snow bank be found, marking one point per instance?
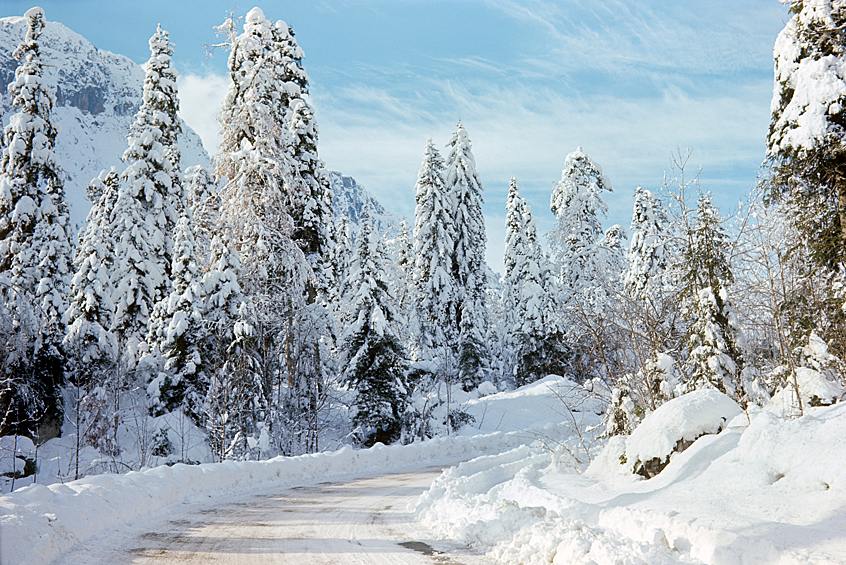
(38, 523)
(769, 491)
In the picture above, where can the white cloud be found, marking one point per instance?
(199, 104)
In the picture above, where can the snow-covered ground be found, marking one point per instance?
(534, 489)
(764, 490)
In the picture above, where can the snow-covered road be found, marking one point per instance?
(350, 521)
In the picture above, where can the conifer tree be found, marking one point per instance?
(91, 309)
(402, 279)
(806, 154)
(373, 355)
(468, 258)
(714, 338)
(148, 206)
(35, 248)
(577, 255)
(648, 254)
(433, 248)
(531, 332)
(255, 208)
(340, 258)
(805, 144)
(184, 379)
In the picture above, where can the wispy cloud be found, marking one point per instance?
(199, 103)
(527, 132)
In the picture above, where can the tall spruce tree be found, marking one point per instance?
(714, 338)
(805, 144)
(648, 255)
(375, 359)
(35, 248)
(148, 206)
(531, 332)
(90, 313)
(185, 377)
(468, 258)
(264, 176)
(806, 154)
(577, 255)
(433, 248)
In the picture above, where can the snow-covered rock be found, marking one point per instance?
(681, 420)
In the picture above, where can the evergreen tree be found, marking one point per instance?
(531, 332)
(254, 157)
(577, 255)
(402, 279)
(433, 248)
(202, 198)
(648, 255)
(311, 206)
(91, 309)
(805, 144)
(614, 257)
(35, 248)
(184, 379)
(255, 208)
(806, 154)
(341, 254)
(468, 258)
(714, 338)
(148, 206)
(373, 355)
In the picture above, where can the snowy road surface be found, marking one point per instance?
(349, 522)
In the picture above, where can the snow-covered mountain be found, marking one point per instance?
(97, 95)
(349, 200)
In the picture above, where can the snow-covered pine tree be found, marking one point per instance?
(806, 154)
(433, 282)
(92, 346)
(614, 257)
(185, 377)
(219, 296)
(581, 264)
(468, 258)
(148, 207)
(202, 198)
(714, 338)
(531, 333)
(339, 263)
(35, 245)
(577, 255)
(402, 277)
(311, 194)
(310, 208)
(806, 150)
(648, 255)
(374, 358)
(649, 305)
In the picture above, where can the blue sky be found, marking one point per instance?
(629, 81)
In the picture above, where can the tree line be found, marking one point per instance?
(234, 296)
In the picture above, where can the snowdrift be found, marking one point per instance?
(764, 490)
